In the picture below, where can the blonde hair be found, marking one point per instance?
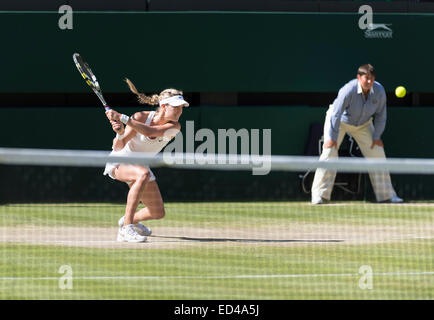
(155, 98)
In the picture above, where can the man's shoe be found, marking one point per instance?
(318, 200)
(395, 199)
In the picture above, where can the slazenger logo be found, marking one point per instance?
(373, 30)
(378, 31)
(374, 26)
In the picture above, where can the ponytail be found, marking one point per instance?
(141, 97)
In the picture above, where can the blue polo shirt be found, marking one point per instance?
(353, 108)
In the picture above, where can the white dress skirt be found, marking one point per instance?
(139, 144)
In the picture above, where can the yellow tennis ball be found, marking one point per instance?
(400, 91)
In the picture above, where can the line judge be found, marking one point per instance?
(359, 110)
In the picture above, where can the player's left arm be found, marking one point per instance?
(169, 129)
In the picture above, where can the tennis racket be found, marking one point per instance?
(89, 77)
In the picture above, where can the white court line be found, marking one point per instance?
(247, 276)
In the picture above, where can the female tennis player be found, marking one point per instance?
(150, 132)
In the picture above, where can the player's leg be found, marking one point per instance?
(323, 181)
(381, 182)
(137, 177)
(153, 201)
(151, 198)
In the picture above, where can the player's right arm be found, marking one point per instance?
(123, 135)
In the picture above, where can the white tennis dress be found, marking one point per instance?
(139, 143)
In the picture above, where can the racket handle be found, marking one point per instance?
(107, 108)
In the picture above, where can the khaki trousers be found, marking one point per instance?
(324, 179)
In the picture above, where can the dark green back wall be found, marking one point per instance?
(408, 131)
(203, 52)
(408, 134)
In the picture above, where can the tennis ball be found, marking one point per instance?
(400, 92)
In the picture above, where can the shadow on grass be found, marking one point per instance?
(245, 240)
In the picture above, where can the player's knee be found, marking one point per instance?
(160, 213)
(143, 175)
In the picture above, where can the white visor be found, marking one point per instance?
(175, 101)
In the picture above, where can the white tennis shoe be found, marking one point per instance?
(129, 234)
(143, 230)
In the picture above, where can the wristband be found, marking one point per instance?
(124, 119)
(120, 136)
